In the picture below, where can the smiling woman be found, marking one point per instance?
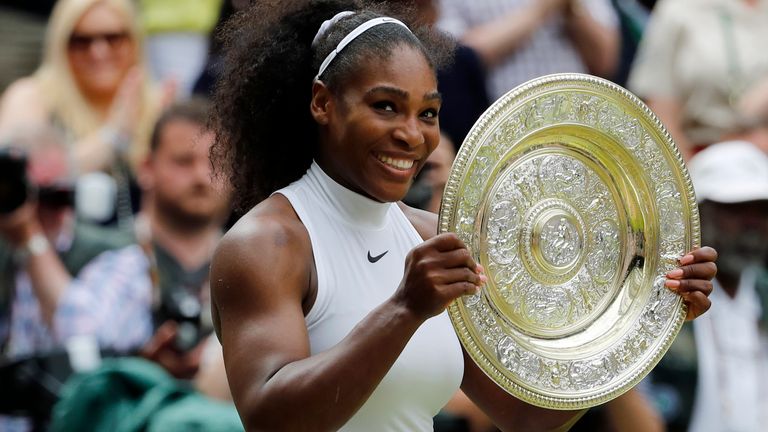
(384, 126)
(89, 85)
(329, 295)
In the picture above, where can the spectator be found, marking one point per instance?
(91, 86)
(697, 62)
(41, 247)
(523, 39)
(152, 296)
(713, 377)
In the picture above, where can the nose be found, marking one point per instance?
(409, 132)
(99, 48)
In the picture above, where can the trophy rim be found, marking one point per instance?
(447, 222)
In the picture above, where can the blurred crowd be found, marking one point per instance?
(110, 209)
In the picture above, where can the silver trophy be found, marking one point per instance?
(574, 198)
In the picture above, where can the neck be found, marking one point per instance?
(101, 103)
(190, 246)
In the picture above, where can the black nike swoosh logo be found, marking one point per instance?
(373, 259)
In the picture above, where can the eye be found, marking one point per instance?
(386, 106)
(430, 114)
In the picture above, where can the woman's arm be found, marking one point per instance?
(670, 112)
(505, 410)
(22, 109)
(496, 40)
(597, 43)
(262, 274)
(632, 412)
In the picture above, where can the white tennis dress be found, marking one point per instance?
(359, 246)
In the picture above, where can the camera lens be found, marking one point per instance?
(13, 180)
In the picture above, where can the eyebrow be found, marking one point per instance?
(394, 91)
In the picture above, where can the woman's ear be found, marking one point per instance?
(321, 101)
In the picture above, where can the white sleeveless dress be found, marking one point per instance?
(359, 247)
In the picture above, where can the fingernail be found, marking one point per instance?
(671, 283)
(686, 259)
(479, 269)
(483, 279)
(676, 273)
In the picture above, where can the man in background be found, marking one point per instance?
(713, 377)
(152, 296)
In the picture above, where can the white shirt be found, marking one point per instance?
(732, 391)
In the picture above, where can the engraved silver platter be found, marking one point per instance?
(574, 198)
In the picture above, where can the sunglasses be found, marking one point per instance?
(82, 42)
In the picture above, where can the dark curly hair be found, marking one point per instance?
(266, 136)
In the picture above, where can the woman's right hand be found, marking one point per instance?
(437, 272)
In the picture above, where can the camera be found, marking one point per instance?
(14, 185)
(16, 188)
(183, 308)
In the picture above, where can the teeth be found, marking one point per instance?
(403, 164)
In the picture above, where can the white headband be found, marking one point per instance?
(327, 24)
(350, 37)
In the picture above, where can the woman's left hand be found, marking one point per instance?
(693, 280)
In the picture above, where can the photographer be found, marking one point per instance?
(42, 248)
(41, 245)
(152, 296)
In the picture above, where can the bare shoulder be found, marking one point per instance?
(271, 224)
(425, 222)
(266, 257)
(22, 102)
(23, 89)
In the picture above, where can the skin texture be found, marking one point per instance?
(264, 278)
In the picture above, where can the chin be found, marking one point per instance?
(101, 86)
(393, 193)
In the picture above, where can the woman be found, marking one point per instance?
(321, 326)
(90, 85)
(700, 65)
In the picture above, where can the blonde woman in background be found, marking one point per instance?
(91, 85)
